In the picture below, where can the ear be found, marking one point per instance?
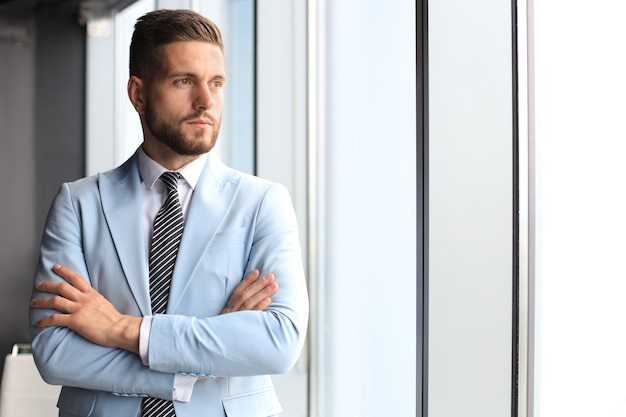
(136, 93)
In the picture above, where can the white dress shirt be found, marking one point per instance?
(154, 193)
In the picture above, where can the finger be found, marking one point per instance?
(73, 278)
(53, 320)
(57, 303)
(272, 285)
(240, 293)
(252, 276)
(251, 292)
(60, 288)
(262, 293)
(248, 280)
(258, 301)
(265, 285)
(263, 304)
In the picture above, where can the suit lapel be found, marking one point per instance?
(210, 204)
(121, 194)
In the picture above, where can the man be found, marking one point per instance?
(94, 329)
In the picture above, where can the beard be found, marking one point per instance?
(170, 134)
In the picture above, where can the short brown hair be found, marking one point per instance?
(161, 27)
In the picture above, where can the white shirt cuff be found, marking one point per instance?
(183, 387)
(144, 338)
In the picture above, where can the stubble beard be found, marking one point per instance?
(171, 135)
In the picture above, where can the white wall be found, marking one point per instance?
(581, 200)
(471, 212)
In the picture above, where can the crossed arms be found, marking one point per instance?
(85, 311)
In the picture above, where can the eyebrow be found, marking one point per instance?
(193, 75)
(181, 74)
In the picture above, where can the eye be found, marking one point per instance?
(183, 81)
(217, 84)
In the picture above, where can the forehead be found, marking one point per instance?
(193, 56)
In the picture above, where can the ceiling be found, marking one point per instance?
(83, 9)
(37, 6)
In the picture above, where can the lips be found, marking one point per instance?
(200, 123)
(200, 120)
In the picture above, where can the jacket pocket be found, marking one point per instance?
(229, 237)
(76, 401)
(255, 404)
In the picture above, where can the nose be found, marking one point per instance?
(203, 98)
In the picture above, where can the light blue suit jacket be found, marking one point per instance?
(235, 223)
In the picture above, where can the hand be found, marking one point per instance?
(252, 293)
(85, 311)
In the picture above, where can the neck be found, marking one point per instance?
(166, 157)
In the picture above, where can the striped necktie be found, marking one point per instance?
(168, 230)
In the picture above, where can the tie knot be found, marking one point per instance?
(170, 179)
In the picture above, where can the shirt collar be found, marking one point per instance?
(150, 170)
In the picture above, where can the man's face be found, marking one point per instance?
(184, 100)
